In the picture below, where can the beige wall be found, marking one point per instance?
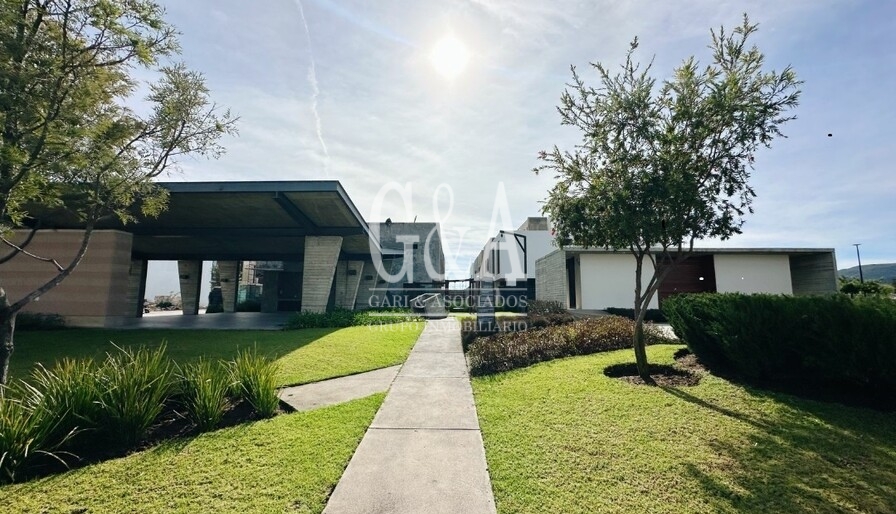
(94, 294)
(753, 273)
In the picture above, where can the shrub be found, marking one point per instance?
(203, 386)
(823, 340)
(69, 392)
(545, 307)
(27, 432)
(133, 386)
(30, 321)
(340, 318)
(253, 379)
(510, 350)
(652, 315)
(560, 318)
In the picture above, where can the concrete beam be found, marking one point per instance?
(228, 274)
(190, 273)
(321, 256)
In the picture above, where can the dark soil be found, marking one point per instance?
(662, 375)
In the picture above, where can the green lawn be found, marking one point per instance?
(562, 437)
(288, 463)
(303, 355)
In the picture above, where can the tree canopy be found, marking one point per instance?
(661, 165)
(74, 134)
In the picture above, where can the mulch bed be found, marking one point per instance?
(662, 375)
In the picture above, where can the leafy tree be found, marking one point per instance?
(853, 286)
(660, 166)
(73, 138)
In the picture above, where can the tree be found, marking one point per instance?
(662, 166)
(853, 287)
(71, 136)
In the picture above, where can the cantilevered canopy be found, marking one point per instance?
(246, 221)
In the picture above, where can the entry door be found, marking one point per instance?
(571, 280)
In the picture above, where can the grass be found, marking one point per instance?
(303, 356)
(562, 437)
(288, 463)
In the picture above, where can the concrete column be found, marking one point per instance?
(367, 293)
(348, 277)
(321, 256)
(227, 272)
(190, 273)
(137, 286)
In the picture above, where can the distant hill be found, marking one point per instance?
(885, 273)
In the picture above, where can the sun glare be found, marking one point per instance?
(449, 57)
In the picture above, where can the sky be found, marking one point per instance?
(373, 93)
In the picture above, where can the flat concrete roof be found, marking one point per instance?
(758, 251)
(266, 220)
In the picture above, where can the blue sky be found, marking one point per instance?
(362, 103)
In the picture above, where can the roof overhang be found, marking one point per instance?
(246, 221)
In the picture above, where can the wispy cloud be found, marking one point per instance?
(315, 90)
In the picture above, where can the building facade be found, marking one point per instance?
(596, 279)
(304, 243)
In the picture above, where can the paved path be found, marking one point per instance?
(423, 452)
(338, 390)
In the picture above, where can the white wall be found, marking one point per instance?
(538, 244)
(753, 274)
(608, 280)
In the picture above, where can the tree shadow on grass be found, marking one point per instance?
(803, 457)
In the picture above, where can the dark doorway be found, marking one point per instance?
(289, 289)
(696, 274)
(571, 280)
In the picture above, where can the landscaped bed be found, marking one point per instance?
(561, 436)
(288, 463)
(72, 409)
(303, 356)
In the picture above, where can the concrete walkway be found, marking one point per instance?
(338, 390)
(423, 452)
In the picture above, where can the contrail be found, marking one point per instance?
(315, 91)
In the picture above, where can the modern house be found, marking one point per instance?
(509, 257)
(311, 247)
(581, 278)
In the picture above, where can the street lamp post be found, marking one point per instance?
(859, 257)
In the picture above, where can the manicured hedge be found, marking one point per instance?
(826, 340)
(653, 315)
(340, 318)
(510, 350)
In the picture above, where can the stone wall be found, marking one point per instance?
(550, 278)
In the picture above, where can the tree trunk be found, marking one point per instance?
(7, 330)
(639, 344)
(638, 333)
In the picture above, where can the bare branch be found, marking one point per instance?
(16, 249)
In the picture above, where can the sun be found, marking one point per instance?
(449, 57)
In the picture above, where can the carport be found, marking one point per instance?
(316, 246)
